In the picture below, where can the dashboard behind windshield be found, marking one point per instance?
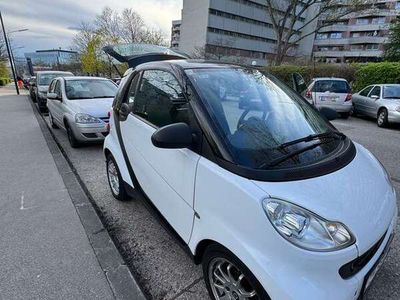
(256, 115)
(89, 89)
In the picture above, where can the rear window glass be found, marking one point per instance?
(333, 86)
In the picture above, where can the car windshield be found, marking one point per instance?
(333, 86)
(45, 79)
(89, 89)
(391, 92)
(261, 120)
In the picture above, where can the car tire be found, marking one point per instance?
(115, 180)
(42, 109)
(237, 283)
(382, 119)
(71, 137)
(51, 120)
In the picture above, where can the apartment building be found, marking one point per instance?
(360, 37)
(236, 30)
(175, 34)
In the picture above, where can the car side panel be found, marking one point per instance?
(231, 214)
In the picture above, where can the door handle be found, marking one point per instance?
(124, 111)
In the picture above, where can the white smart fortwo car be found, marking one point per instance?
(269, 197)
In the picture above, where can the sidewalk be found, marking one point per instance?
(44, 249)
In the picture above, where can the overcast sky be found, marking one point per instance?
(51, 23)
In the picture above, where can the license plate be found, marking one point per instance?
(371, 274)
(328, 98)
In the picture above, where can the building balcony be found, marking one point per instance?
(353, 53)
(331, 42)
(368, 27)
(375, 12)
(367, 40)
(335, 27)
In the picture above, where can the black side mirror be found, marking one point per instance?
(328, 113)
(174, 136)
(299, 85)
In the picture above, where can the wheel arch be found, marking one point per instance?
(380, 109)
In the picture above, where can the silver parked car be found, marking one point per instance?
(380, 101)
(81, 106)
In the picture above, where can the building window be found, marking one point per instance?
(356, 47)
(372, 47)
(397, 7)
(356, 34)
(362, 21)
(379, 20)
(336, 35)
(322, 36)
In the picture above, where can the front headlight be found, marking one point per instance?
(305, 229)
(85, 119)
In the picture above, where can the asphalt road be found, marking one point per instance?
(163, 268)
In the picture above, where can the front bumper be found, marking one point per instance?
(315, 275)
(394, 116)
(87, 133)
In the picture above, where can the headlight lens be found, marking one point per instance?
(305, 229)
(85, 119)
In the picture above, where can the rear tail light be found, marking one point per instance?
(348, 97)
(308, 94)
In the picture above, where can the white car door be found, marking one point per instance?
(57, 110)
(371, 108)
(166, 176)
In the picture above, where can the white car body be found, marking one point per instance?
(204, 201)
(340, 102)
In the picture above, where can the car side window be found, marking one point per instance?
(57, 88)
(51, 88)
(132, 90)
(160, 100)
(376, 91)
(365, 91)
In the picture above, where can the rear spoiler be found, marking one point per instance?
(136, 54)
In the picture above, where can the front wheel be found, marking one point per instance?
(382, 119)
(227, 277)
(71, 137)
(115, 180)
(345, 115)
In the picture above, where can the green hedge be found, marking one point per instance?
(374, 73)
(358, 75)
(4, 81)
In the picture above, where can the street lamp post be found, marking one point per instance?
(9, 54)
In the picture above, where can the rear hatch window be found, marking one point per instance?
(333, 86)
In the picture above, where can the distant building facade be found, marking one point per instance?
(175, 34)
(236, 30)
(52, 57)
(359, 37)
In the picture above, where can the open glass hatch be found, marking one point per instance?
(136, 54)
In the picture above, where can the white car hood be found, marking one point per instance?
(94, 107)
(359, 195)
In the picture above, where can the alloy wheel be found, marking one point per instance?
(113, 177)
(381, 117)
(228, 282)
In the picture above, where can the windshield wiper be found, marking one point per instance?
(290, 155)
(311, 137)
(98, 97)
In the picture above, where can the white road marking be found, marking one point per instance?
(22, 203)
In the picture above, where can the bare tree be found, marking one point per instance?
(132, 26)
(84, 36)
(290, 20)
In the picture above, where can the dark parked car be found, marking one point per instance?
(40, 87)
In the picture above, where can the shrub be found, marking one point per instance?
(375, 73)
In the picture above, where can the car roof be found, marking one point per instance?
(84, 78)
(385, 84)
(329, 78)
(53, 72)
(187, 64)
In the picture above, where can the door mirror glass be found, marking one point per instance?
(329, 113)
(299, 85)
(53, 96)
(174, 136)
